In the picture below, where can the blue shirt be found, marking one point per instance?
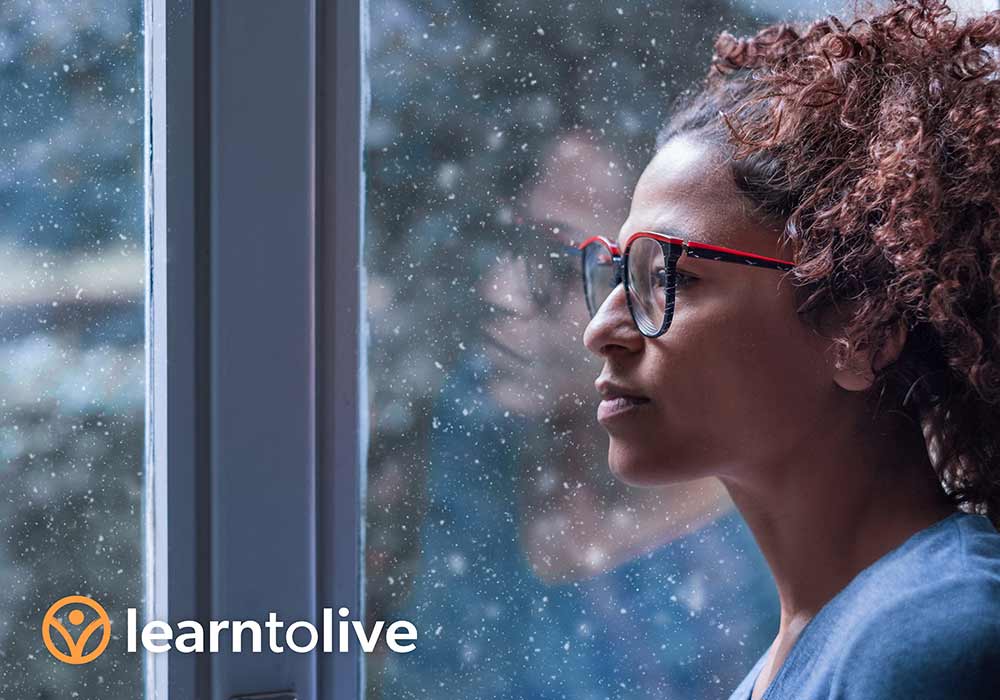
(921, 623)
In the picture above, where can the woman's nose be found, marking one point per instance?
(612, 329)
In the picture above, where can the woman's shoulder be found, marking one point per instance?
(946, 572)
(962, 550)
(927, 624)
(934, 649)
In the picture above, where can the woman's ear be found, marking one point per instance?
(859, 373)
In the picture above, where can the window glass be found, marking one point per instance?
(499, 134)
(71, 333)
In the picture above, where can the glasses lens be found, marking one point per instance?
(648, 282)
(598, 275)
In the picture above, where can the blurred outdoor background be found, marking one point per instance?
(71, 332)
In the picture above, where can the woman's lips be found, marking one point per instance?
(616, 407)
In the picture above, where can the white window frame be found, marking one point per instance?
(256, 417)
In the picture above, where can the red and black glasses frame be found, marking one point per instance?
(672, 249)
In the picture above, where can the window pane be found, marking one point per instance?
(499, 133)
(71, 314)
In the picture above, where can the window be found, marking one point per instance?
(499, 134)
(311, 263)
(72, 377)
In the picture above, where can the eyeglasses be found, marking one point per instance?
(648, 270)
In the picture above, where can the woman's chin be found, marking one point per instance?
(633, 469)
(643, 469)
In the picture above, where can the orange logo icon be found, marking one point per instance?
(77, 636)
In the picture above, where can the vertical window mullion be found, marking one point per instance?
(263, 386)
(232, 404)
(341, 374)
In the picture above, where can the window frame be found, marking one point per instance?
(255, 339)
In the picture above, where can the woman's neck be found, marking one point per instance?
(846, 496)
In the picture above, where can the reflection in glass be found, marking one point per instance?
(500, 135)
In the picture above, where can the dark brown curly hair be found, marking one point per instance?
(877, 145)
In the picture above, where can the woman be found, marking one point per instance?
(841, 376)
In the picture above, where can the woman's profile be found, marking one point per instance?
(804, 302)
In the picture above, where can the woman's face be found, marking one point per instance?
(739, 380)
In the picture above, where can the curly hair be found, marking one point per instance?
(877, 146)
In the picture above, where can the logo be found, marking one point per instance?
(76, 636)
(68, 631)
